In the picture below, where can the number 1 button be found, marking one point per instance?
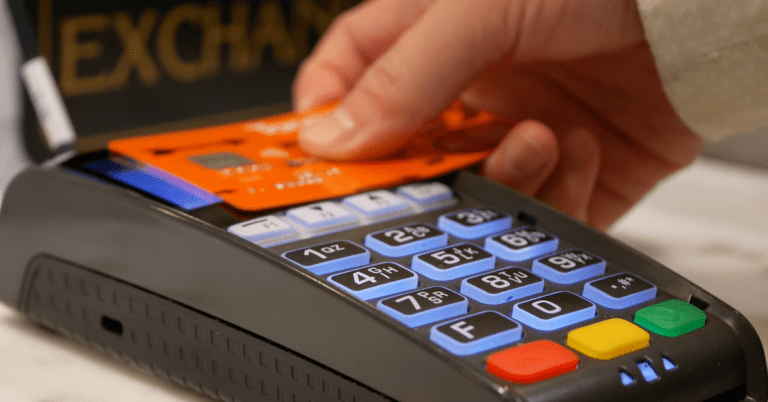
(329, 257)
(424, 306)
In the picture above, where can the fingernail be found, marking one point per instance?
(327, 132)
(525, 156)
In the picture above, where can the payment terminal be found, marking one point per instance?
(226, 260)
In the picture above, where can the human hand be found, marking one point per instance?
(596, 131)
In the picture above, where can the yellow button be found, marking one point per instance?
(608, 339)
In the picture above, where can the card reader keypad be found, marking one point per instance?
(483, 286)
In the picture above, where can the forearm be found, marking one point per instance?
(712, 57)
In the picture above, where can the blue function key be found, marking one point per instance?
(329, 257)
(263, 228)
(476, 333)
(521, 244)
(502, 286)
(619, 291)
(453, 262)
(426, 193)
(424, 306)
(473, 223)
(553, 311)
(405, 240)
(570, 266)
(376, 203)
(377, 280)
(321, 215)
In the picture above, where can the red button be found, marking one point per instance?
(532, 362)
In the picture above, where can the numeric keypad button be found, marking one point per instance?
(476, 333)
(453, 262)
(521, 244)
(568, 267)
(376, 203)
(406, 240)
(553, 311)
(424, 306)
(473, 223)
(619, 291)
(329, 257)
(377, 280)
(321, 215)
(502, 286)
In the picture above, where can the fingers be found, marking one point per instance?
(525, 158)
(350, 45)
(572, 182)
(416, 78)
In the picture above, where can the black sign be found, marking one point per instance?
(137, 67)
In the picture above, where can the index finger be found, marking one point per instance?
(351, 44)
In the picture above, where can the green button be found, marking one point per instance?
(671, 318)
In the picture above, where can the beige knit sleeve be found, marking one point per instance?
(712, 56)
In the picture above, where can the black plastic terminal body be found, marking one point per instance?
(172, 292)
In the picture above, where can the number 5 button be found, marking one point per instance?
(329, 257)
(453, 262)
(424, 306)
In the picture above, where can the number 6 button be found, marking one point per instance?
(329, 257)
(424, 306)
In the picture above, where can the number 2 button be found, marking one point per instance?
(329, 257)
(405, 240)
(424, 306)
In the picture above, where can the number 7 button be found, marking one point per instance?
(424, 306)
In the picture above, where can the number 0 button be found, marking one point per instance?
(424, 306)
(553, 311)
(329, 257)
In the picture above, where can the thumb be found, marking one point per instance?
(444, 52)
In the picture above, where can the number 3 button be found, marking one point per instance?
(329, 257)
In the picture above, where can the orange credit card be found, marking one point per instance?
(257, 165)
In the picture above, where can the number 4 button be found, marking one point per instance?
(377, 280)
